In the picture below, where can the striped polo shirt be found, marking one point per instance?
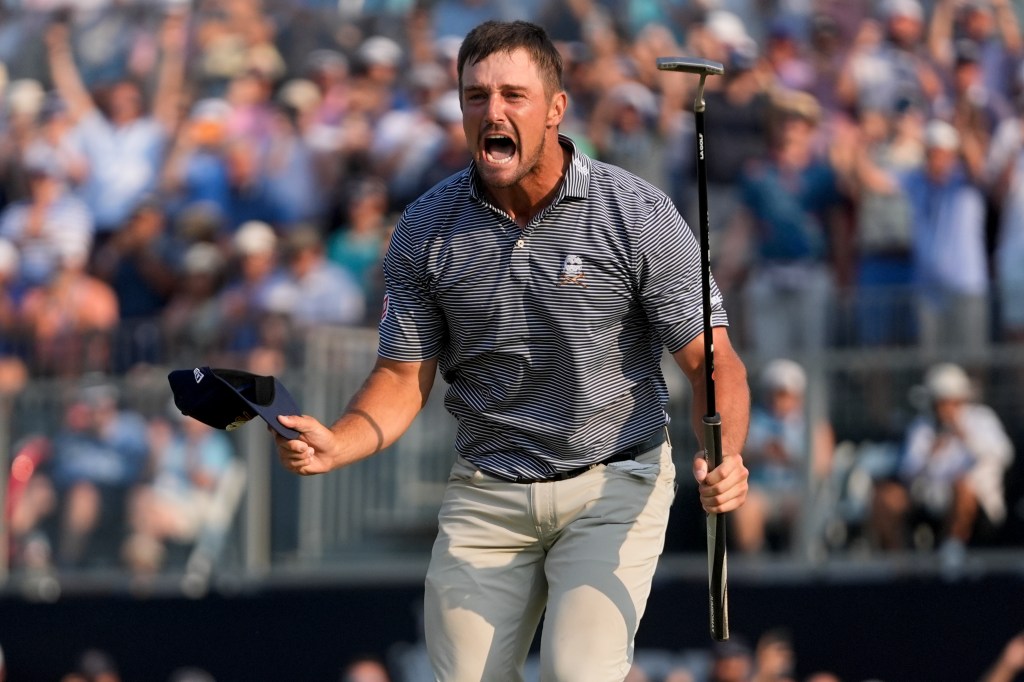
(550, 337)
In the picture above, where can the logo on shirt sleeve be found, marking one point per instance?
(572, 271)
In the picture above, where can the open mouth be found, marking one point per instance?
(499, 148)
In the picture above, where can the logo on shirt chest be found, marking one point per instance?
(572, 271)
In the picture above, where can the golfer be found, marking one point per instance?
(545, 286)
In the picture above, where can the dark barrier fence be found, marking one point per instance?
(903, 629)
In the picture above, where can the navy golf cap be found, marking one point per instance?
(228, 398)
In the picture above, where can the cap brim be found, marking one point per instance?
(282, 404)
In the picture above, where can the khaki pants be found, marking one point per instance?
(584, 549)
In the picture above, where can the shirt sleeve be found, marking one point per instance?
(669, 278)
(412, 325)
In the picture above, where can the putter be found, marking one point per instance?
(718, 589)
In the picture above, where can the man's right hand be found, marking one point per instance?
(311, 452)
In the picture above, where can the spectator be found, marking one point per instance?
(1005, 178)
(13, 372)
(880, 151)
(48, 220)
(191, 321)
(293, 184)
(826, 54)
(94, 665)
(250, 195)
(196, 170)
(55, 140)
(990, 24)
(679, 674)
(731, 660)
(358, 245)
(188, 460)
(1010, 663)
(30, 500)
(314, 290)
(365, 668)
(23, 103)
(232, 38)
(71, 318)
(793, 225)
(948, 486)
(774, 659)
(98, 457)
(888, 62)
(243, 301)
(139, 262)
(785, 54)
(123, 146)
(973, 109)
(737, 131)
(788, 458)
(450, 154)
(950, 261)
(628, 129)
(251, 113)
(329, 71)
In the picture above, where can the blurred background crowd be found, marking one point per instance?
(208, 182)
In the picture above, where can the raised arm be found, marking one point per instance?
(940, 33)
(1009, 26)
(171, 78)
(724, 488)
(380, 412)
(64, 72)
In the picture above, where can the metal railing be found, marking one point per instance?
(382, 511)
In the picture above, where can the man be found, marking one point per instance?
(781, 444)
(792, 221)
(123, 145)
(951, 474)
(951, 273)
(544, 285)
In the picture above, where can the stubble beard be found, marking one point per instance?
(526, 166)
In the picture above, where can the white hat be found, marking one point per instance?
(635, 95)
(25, 96)
(211, 109)
(300, 93)
(727, 27)
(203, 258)
(784, 375)
(902, 8)
(380, 50)
(255, 236)
(939, 134)
(946, 381)
(448, 108)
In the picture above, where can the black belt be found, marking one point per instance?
(632, 452)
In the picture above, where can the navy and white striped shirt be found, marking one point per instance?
(550, 337)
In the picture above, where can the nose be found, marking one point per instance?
(495, 110)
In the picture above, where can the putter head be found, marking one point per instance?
(704, 67)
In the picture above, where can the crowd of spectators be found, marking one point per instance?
(186, 182)
(863, 180)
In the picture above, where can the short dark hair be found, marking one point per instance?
(507, 36)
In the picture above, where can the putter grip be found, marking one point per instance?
(718, 591)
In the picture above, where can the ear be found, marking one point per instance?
(556, 109)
